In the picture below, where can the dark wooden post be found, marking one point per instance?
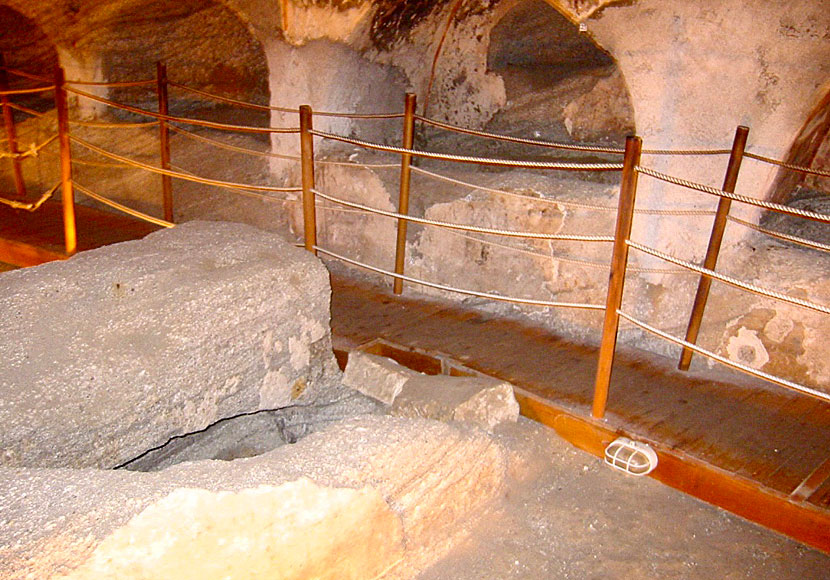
(616, 281)
(406, 178)
(11, 133)
(164, 140)
(67, 194)
(715, 240)
(307, 166)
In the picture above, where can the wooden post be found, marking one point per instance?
(11, 133)
(406, 178)
(715, 240)
(67, 195)
(616, 281)
(164, 140)
(307, 166)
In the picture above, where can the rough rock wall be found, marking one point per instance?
(117, 350)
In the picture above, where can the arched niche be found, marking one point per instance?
(560, 84)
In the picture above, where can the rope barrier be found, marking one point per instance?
(499, 297)
(795, 239)
(820, 217)
(567, 146)
(470, 159)
(25, 75)
(723, 360)
(183, 120)
(32, 151)
(202, 180)
(564, 203)
(30, 206)
(729, 279)
(113, 85)
(29, 111)
(127, 210)
(786, 165)
(246, 193)
(102, 125)
(28, 91)
(574, 261)
(467, 228)
(77, 161)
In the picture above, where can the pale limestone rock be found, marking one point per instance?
(481, 401)
(294, 531)
(117, 350)
(375, 376)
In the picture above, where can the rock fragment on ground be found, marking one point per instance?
(482, 401)
(376, 376)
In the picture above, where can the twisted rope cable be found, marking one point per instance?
(24, 74)
(575, 261)
(471, 159)
(183, 120)
(202, 180)
(113, 85)
(28, 91)
(466, 228)
(499, 297)
(820, 217)
(29, 111)
(784, 164)
(102, 125)
(795, 239)
(729, 279)
(32, 151)
(91, 163)
(123, 208)
(723, 360)
(30, 206)
(252, 194)
(564, 203)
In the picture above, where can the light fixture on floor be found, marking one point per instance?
(631, 457)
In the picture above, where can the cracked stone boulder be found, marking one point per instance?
(118, 350)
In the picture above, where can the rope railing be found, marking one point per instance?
(28, 111)
(33, 205)
(178, 175)
(557, 201)
(729, 279)
(785, 165)
(184, 120)
(726, 361)
(781, 236)
(32, 151)
(820, 217)
(32, 91)
(252, 194)
(499, 297)
(113, 85)
(104, 125)
(24, 74)
(472, 159)
(122, 208)
(466, 228)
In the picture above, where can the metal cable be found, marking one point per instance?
(123, 208)
(820, 217)
(734, 364)
(30, 206)
(729, 279)
(786, 165)
(563, 203)
(113, 85)
(459, 290)
(202, 180)
(478, 160)
(467, 228)
(184, 120)
(28, 91)
(795, 239)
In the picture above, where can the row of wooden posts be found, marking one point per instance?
(625, 213)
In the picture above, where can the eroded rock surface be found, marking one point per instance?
(117, 350)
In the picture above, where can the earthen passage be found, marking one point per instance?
(510, 95)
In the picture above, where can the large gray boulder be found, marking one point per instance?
(117, 350)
